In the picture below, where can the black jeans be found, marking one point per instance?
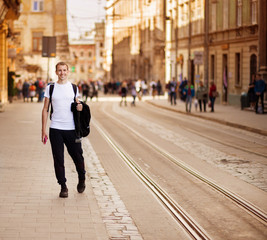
(212, 101)
(257, 102)
(57, 139)
(200, 104)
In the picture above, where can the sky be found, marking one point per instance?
(82, 14)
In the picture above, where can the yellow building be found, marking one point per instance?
(9, 11)
(40, 18)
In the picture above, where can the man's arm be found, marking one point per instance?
(44, 118)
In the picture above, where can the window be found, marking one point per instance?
(38, 6)
(254, 14)
(225, 14)
(37, 41)
(90, 54)
(213, 16)
(237, 70)
(82, 68)
(239, 13)
(81, 54)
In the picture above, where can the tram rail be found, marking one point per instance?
(249, 207)
(192, 227)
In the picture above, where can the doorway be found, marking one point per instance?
(225, 78)
(253, 66)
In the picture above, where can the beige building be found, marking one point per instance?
(83, 60)
(222, 45)
(99, 40)
(40, 18)
(9, 11)
(135, 40)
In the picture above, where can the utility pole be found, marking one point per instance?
(189, 67)
(176, 41)
(206, 45)
(262, 10)
(113, 45)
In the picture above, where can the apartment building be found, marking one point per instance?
(38, 19)
(135, 40)
(9, 11)
(216, 40)
(83, 59)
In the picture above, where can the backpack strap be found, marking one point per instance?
(51, 89)
(74, 90)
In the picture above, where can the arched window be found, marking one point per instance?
(253, 65)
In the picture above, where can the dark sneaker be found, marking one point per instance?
(64, 192)
(81, 186)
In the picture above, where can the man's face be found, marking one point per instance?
(62, 72)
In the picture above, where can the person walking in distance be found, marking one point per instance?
(259, 92)
(202, 96)
(62, 128)
(212, 95)
(189, 91)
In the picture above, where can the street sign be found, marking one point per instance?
(198, 58)
(49, 47)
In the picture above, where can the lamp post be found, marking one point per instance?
(206, 45)
(262, 10)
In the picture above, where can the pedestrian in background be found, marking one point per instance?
(212, 95)
(189, 92)
(123, 93)
(25, 90)
(19, 87)
(202, 96)
(62, 128)
(172, 89)
(259, 91)
(134, 93)
(251, 92)
(153, 88)
(85, 90)
(159, 87)
(32, 90)
(138, 87)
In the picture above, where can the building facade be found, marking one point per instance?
(216, 40)
(38, 19)
(99, 50)
(9, 11)
(135, 40)
(83, 60)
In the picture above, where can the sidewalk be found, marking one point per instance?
(224, 114)
(29, 204)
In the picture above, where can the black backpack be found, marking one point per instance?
(81, 118)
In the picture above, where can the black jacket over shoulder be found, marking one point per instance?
(81, 119)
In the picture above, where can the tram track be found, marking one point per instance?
(232, 145)
(191, 226)
(249, 207)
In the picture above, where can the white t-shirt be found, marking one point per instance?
(62, 97)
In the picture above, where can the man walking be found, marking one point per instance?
(62, 128)
(259, 92)
(189, 92)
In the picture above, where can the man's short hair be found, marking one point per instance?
(62, 64)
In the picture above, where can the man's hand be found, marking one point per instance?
(79, 107)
